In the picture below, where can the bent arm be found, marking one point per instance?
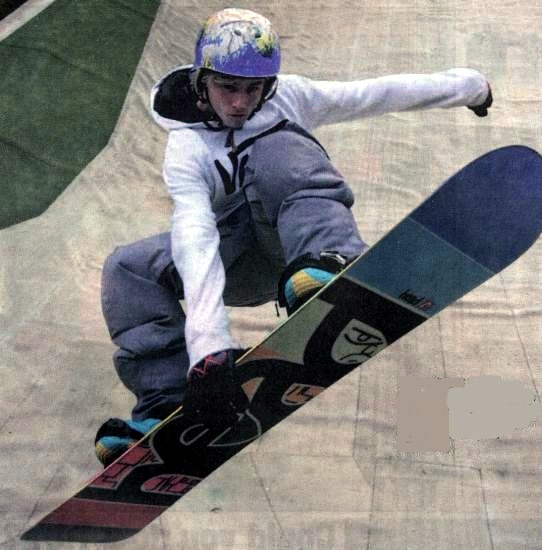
(195, 250)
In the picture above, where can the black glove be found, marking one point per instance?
(481, 110)
(214, 389)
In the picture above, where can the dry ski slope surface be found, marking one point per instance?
(331, 476)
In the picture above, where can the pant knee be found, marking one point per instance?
(147, 258)
(134, 291)
(112, 263)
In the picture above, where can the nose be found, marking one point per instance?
(240, 100)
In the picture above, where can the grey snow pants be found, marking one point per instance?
(296, 203)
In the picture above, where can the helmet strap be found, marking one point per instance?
(270, 89)
(200, 88)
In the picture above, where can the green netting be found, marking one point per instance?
(65, 75)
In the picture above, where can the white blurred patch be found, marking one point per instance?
(489, 407)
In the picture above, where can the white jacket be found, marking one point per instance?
(204, 181)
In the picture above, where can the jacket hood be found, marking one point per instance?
(173, 101)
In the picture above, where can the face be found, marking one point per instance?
(234, 99)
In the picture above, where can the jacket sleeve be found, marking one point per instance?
(327, 102)
(195, 247)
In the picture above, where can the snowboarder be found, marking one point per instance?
(260, 213)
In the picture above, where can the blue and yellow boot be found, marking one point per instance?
(305, 276)
(116, 436)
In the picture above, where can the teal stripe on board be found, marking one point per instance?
(412, 264)
(65, 75)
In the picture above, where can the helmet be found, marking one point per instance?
(240, 43)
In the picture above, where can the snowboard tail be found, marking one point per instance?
(477, 223)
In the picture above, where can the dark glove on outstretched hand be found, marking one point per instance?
(481, 110)
(214, 389)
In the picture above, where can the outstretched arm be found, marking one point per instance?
(326, 102)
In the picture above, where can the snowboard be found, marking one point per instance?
(477, 223)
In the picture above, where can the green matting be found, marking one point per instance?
(65, 75)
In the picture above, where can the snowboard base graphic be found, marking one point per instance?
(478, 222)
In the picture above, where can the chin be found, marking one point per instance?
(235, 124)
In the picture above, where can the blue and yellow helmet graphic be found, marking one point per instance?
(238, 42)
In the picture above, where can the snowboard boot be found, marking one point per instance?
(116, 436)
(305, 276)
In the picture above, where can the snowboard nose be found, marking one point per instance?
(493, 212)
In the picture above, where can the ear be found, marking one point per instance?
(203, 105)
(199, 79)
